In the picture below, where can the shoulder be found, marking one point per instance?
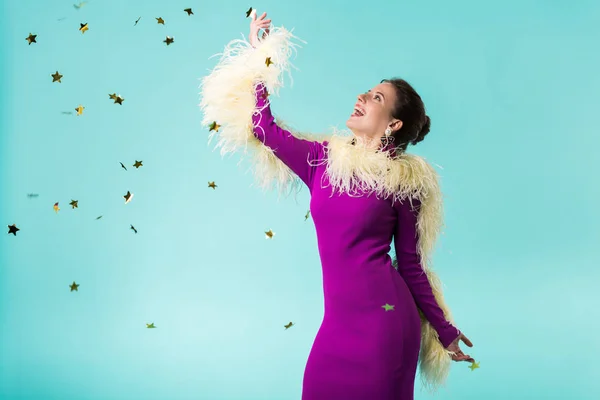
(413, 176)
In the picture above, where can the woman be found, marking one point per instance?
(365, 193)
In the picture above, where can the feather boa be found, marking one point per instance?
(228, 98)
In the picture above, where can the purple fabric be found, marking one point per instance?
(361, 351)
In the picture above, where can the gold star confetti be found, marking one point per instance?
(83, 27)
(74, 286)
(214, 127)
(13, 229)
(122, 166)
(474, 366)
(288, 326)
(248, 12)
(80, 109)
(212, 185)
(56, 208)
(119, 100)
(307, 215)
(168, 40)
(128, 197)
(387, 307)
(268, 61)
(56, 77)
(149, 326)
(160, 20)
(113, 96)
(137, 164)
(81, 4)
(269, 234)
(73, 204)
(31, 38)
(133, 228)
(188, 11)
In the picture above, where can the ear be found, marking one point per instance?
(396, 125)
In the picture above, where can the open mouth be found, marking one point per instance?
(358, 112)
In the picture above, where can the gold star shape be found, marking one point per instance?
(74, 286)
(83, 27)
(248, 12)
(13, 229)
(56, 207)
(160, 20)
(73, 203)
(113, 96)
(80, 109)
(150, 325)
(288, 326)
(214, 127)
(269, 234)
(56, 77)
(128, 197)
(388, 307)
(119, 100)
(137, 164)
(212, 185)
(168, 40)
(268, 61)
(188, 11)
(474, 366)
(31, 38)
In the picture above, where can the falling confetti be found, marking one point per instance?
(188, 11)
(128, 197)
(474, 365)
(56, 208)
(137, 164)
(81, 4)
(56, 77)
(13, 229)
(133, 228)
(80, 109)
(74, 286)
(123, 166)
(149, 326)
(74, 203)
(307, 215)
(269, 234)
(119, 100)
(288, 326)
(97, 218)
(160, 20)
(268, 61)
(212, 185)
(136, 21)
(388, 307)
(67, 112)
(83, 27)
(214, 127)
(168, 40)
(30, 195)
(31, 38)
(248, 12)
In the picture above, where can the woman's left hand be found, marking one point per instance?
(458, 354)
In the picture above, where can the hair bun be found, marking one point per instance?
(423, 132)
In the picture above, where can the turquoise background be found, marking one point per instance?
(511, 87)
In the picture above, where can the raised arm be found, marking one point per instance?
(410, 268)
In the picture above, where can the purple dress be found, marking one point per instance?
(365, 349)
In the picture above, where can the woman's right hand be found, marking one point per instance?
(256, 25)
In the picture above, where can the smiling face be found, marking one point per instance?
(373, 112)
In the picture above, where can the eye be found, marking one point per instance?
(377, 97)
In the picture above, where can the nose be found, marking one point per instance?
(361, 97)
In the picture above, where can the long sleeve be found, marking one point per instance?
(294, 152)
(411, 270)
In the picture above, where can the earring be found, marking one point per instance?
(388, 131)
